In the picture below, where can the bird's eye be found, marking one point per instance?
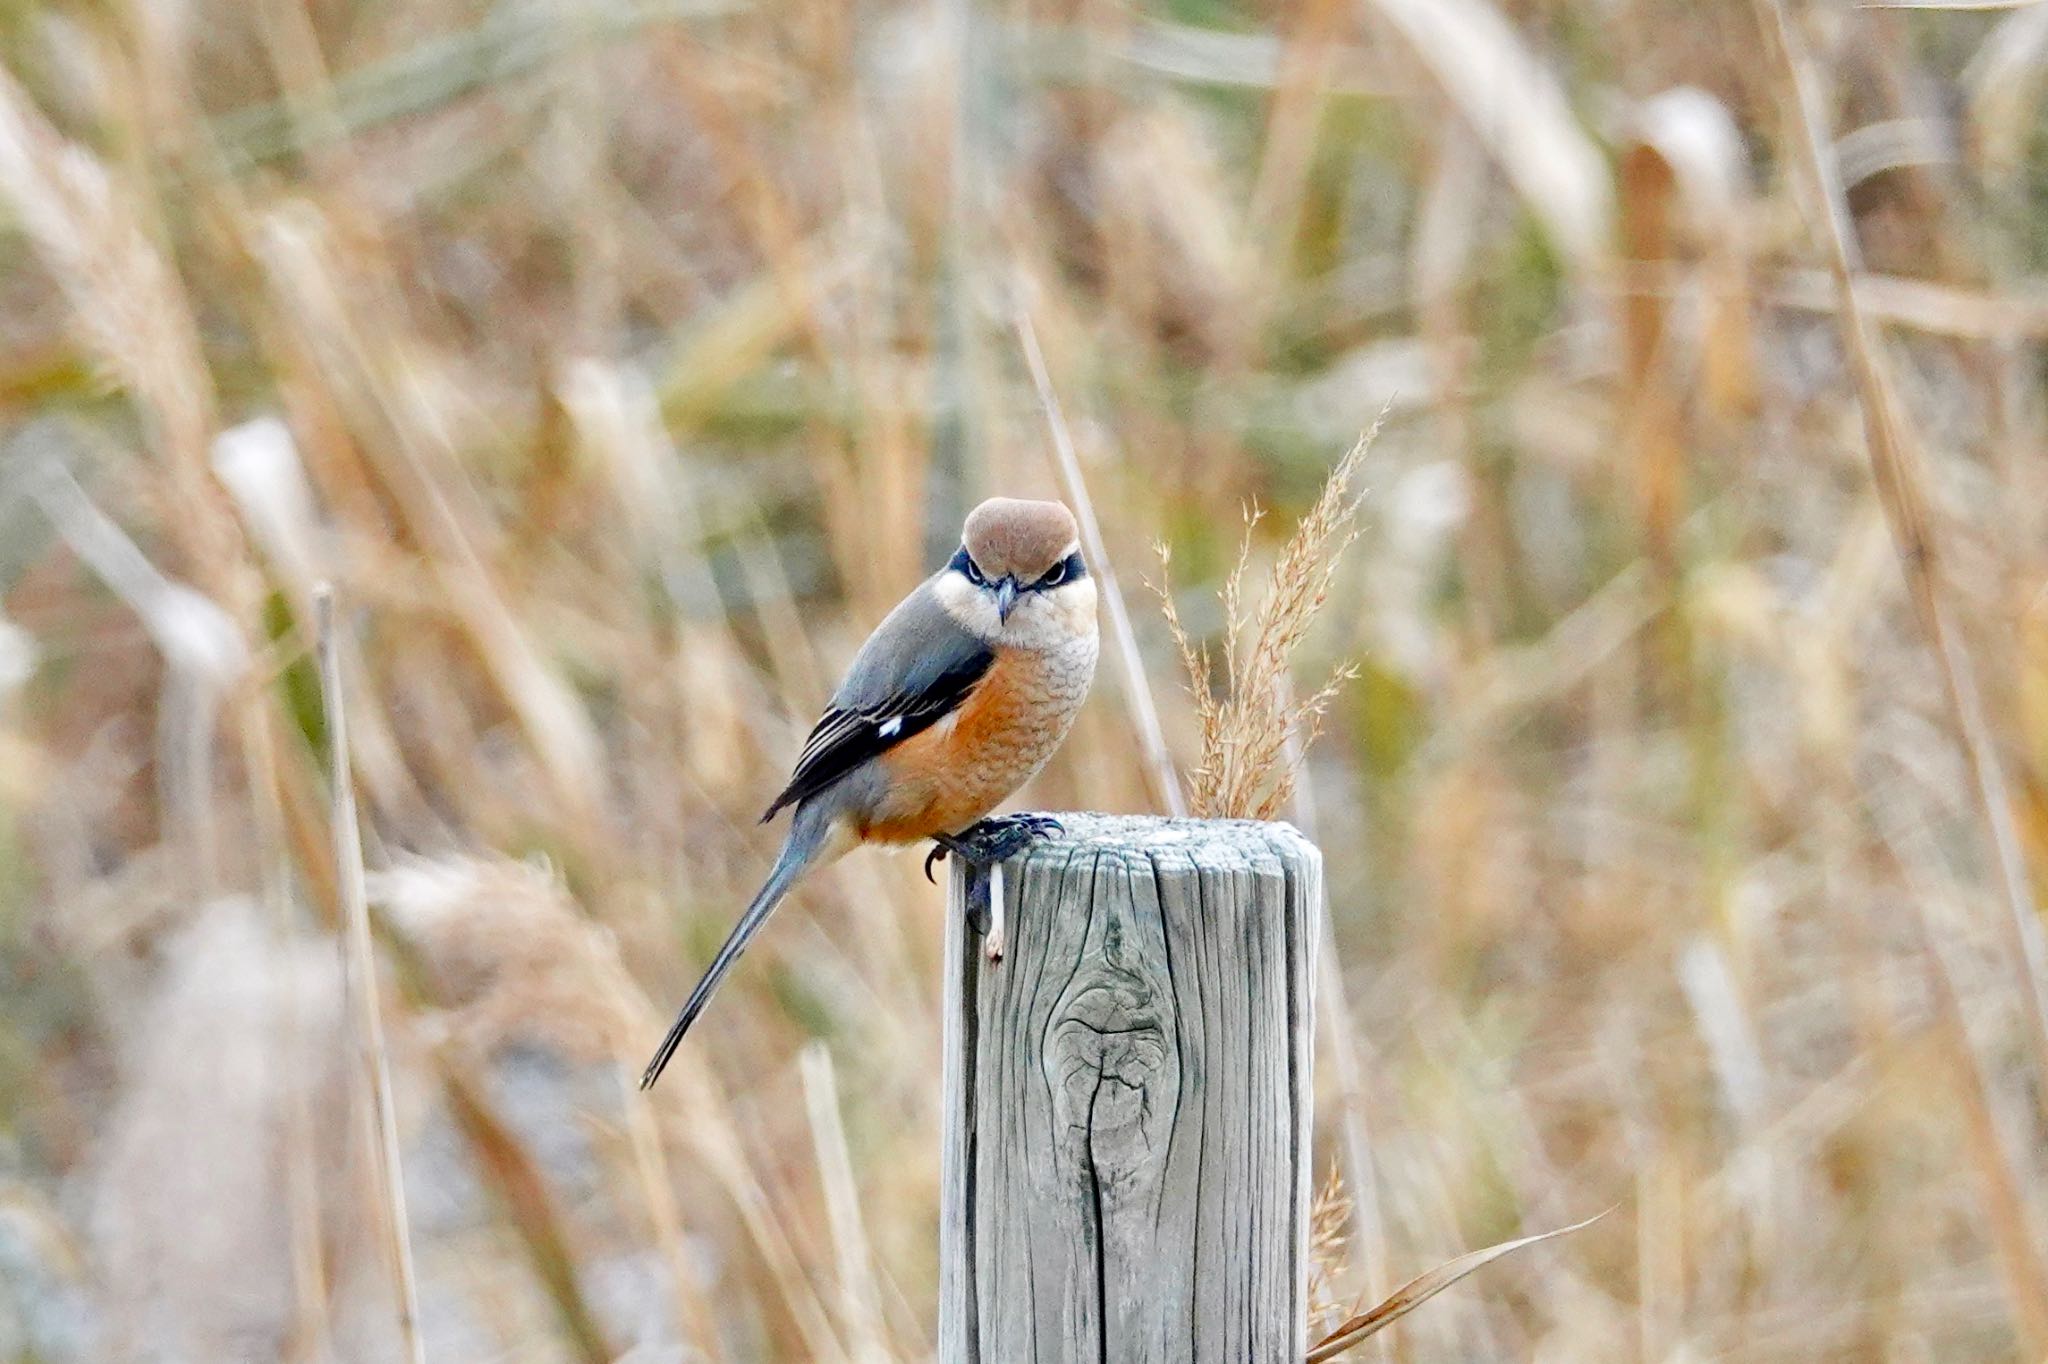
(963, 564)
(1055, 576)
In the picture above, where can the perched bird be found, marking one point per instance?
(959, 696)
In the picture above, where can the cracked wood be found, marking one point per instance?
(1125, 1173)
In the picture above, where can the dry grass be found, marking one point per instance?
(1254, 732)
(366, 1012)
(621, 364)
(1329, 1234)
(1355, 1331)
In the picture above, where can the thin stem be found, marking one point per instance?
(1159, 771)
(360, 977)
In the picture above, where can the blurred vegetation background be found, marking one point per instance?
(622, 362)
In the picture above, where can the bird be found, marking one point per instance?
(958, 698)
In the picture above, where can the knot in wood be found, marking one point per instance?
(1111, 1063)
(1108, 1051)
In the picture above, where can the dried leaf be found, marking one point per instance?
(1423, 1287)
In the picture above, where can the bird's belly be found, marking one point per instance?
(957, 771)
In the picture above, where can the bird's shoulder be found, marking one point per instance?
(916, 644)
(919, 665)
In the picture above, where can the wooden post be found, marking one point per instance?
(1125, 1175)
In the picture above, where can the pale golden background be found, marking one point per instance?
(622, 362)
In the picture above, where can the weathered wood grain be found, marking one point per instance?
(1128, 1095)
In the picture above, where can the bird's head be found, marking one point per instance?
(1018, 577)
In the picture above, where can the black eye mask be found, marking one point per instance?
(1065, 571)
(963, 563)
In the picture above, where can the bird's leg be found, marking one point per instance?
(977, 898)
(983, 847)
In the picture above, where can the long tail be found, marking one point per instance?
(806, 838)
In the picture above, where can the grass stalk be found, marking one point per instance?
(521, 1189)
(650, 1167)
(860, 1304)
(1159, 769)
(361, 976)
(311, 1333)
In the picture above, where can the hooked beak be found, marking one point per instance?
(1006, 598)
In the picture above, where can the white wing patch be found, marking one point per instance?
(891, 728)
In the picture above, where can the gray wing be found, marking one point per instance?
(916, 668)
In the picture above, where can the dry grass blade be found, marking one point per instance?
(329, 299)
(362, 982)
(311, 1324)
(128, 306)
(203, 651)
(2010, 1228)
(2004, 84)
(657, 1187)
(1928, 306)
(521, 1189)
(1519, 111)
(1190, 53)
(1423, 1287)
(438, 72)
(126, 300)
(860, 1303)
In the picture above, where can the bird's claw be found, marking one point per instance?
(983, 846)
(998, 840)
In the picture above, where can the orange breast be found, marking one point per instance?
(954, 773)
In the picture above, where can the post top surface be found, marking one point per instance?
(1201, 841)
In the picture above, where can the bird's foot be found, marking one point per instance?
(1001, 838)
(983, 847)
(989, 841)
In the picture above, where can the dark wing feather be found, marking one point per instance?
(914, 670)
